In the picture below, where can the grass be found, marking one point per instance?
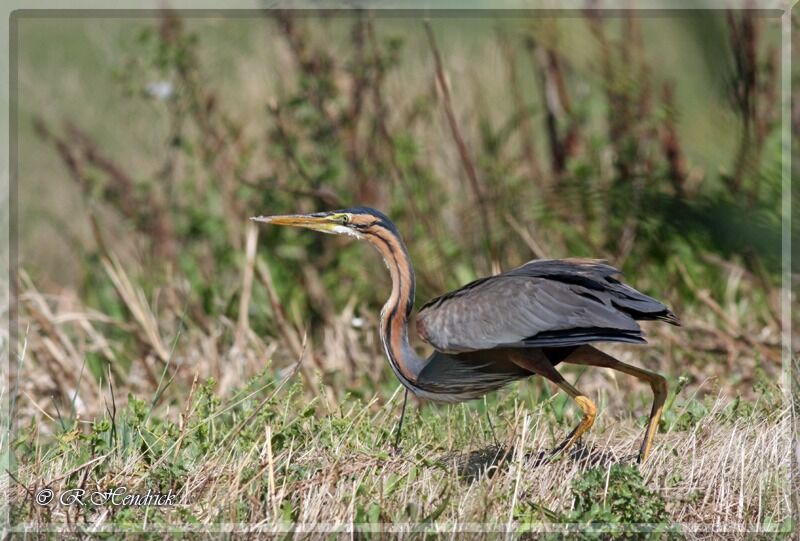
(296, 447)
(266, 458)
(165, 344)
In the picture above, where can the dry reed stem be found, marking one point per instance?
(466, 159)
(734, 330)
(243, 324)
(524, 233)
(134, 300)
(521, 110)
(288, 333)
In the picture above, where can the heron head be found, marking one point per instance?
(359, 222)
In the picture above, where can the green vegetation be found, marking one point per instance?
(614, 496)
(266, 455)
(167, 344)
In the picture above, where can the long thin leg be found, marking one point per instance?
(543, 367)
(587, 407)
(400, 422)
(589, 356)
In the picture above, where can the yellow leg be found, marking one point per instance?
(539, 365)
(589, 415)
(589, 356)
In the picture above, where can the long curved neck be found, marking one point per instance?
(405, 363)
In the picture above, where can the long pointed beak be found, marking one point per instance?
(309, 221)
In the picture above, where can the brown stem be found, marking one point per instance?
(521, 111)
(455, 131)
(77, 150)
(671, 145)
(398, 175)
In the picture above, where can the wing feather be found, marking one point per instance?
(541, 303)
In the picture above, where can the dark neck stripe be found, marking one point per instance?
(398, 253)
(396, 256)
(394, 268)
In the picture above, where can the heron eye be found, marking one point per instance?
(346, 219)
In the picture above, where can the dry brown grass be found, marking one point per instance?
(722, 470)
(728, 477)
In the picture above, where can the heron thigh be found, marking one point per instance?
(590, 356)
(534, 360)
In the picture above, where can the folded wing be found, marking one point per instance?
(544, 303)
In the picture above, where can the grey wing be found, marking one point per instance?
(540, 304)
(449, 377)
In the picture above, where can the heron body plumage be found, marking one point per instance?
(542, 303)
(502, 328)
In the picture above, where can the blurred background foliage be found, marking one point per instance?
(146, 143)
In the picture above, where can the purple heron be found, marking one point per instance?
(503, 328)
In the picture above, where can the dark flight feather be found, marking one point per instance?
(543, 303)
